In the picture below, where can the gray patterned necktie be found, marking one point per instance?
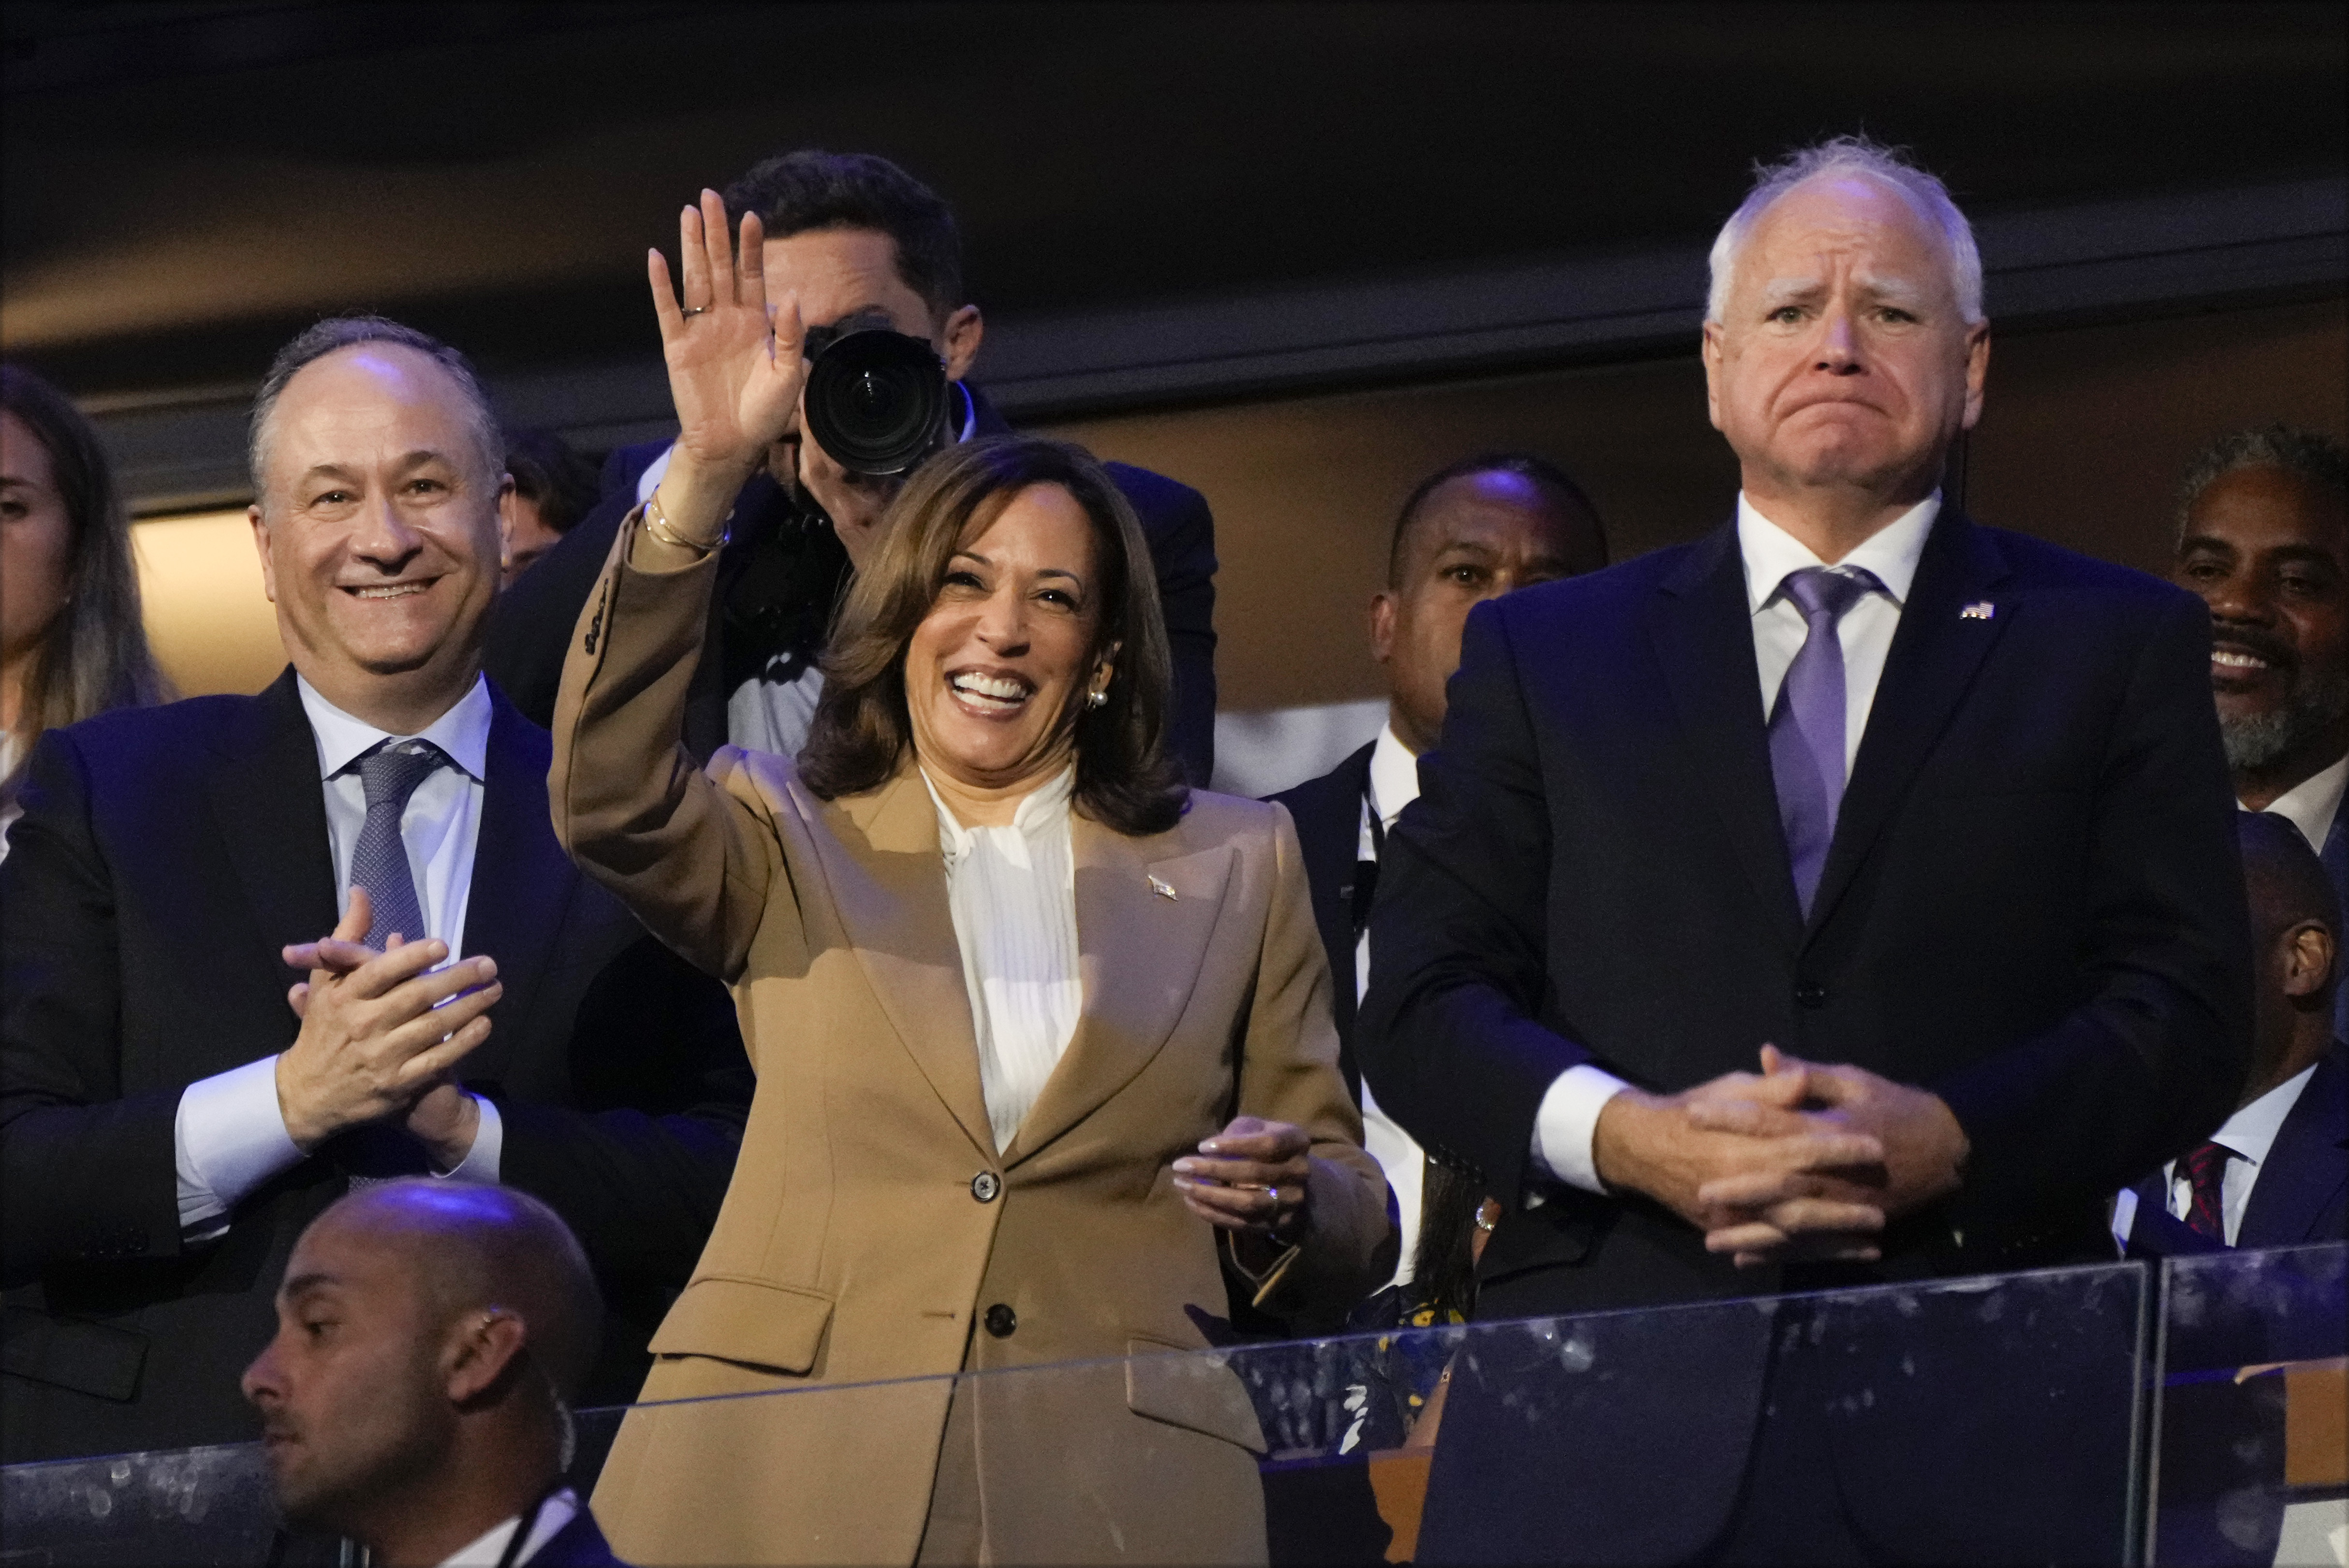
(1806, 726)
(379, 865)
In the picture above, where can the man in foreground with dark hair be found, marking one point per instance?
(864, 244)
(172, 1113)
(416, 1397)
(2264, 537)
(1472, 532)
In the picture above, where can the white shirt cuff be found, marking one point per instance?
(2123, 1217)
(228, 1138)
(1567, 1121)
(481, 1163)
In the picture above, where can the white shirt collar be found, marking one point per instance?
(2251, 1132)
(1891, 553)
(487, 1549)
(1394, 775)
(2312, 803)
(1042, 809)
(463, 732)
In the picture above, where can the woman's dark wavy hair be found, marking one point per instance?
(94, 655)
(1126, 780)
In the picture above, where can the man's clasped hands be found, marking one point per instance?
(1800, 1161)
(381, 1034)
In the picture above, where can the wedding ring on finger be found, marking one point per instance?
(697, 310)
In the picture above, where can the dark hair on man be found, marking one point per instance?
(1126, 777)
(2287, 882)
(808, 190)
(347, 332)
(550, 472)
(1544, 474)
(95, 654)
(2318, 460)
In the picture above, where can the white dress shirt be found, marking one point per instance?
(1012, 893)
(489, 1550)
(1568, 1115)
(1394, 784)
(230, 1135)
(2312, 803)
(773, 710)
(11, 754)
(2251, 1132)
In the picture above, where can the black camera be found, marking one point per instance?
(876, 400)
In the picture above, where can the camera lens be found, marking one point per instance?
(876, 401)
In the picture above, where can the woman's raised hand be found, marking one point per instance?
(735, 365)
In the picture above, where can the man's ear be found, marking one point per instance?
(481, 1346)
(2308, 958)
(260, 548)
(1977, 370)
(1382, 623)
(1709, 349)
(506, 498)
(961, 335)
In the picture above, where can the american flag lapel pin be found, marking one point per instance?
(1980, 610)
(1162, 889)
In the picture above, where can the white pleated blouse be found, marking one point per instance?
(1013, 895)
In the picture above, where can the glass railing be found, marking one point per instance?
(2085, 1415)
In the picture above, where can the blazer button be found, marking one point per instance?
(984, 1186)
(1811, 995)
(1001, 1320)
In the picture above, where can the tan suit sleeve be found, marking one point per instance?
(695, 863)
(1290, 1073)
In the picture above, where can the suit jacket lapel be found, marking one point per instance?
(1934, 655)
(266, 801)
(1703, 635)
(523, 881)
(2306, 1165)
(891, 891)
(1139, 954)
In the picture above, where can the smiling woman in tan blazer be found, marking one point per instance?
(911, 1201)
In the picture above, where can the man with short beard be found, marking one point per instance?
(2264, 537)
(431, 1337)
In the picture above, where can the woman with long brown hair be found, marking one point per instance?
(71, 640)
(1046, 1063)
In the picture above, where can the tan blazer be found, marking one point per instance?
(873, 1227)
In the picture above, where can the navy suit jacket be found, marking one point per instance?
(578, 1545)
(2032, 904)
(530, 630)
(1328, 812)
(2302, 1193)
(165, 856)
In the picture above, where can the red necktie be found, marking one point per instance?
(2205, 1169)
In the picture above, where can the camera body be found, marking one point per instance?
(877, 400)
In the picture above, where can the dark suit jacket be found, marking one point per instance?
(2032, 905)
(164, 857)
(578, 1545)
(530, 630)
(1328, 812)
(2302, 1194)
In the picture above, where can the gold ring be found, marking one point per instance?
(697, 310)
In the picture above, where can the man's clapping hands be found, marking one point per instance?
(1800, 1161)
(380, 1034)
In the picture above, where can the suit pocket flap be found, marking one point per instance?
(1190, 1388)
(95, 1358)
(777, 1326)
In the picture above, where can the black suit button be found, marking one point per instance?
(984, 1186)
(1811, 995)
(1001, 1320)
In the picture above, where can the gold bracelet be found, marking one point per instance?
(657, 524)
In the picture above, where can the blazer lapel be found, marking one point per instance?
(1139, 953)
(2308, 1162)
(266, 801)
(523, 881)
(1703, 635)
(1934, 655)
(892, 897)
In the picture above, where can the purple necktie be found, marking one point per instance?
(1806, 726)
(2205, 1170)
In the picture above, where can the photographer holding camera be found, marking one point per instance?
(875, 259)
